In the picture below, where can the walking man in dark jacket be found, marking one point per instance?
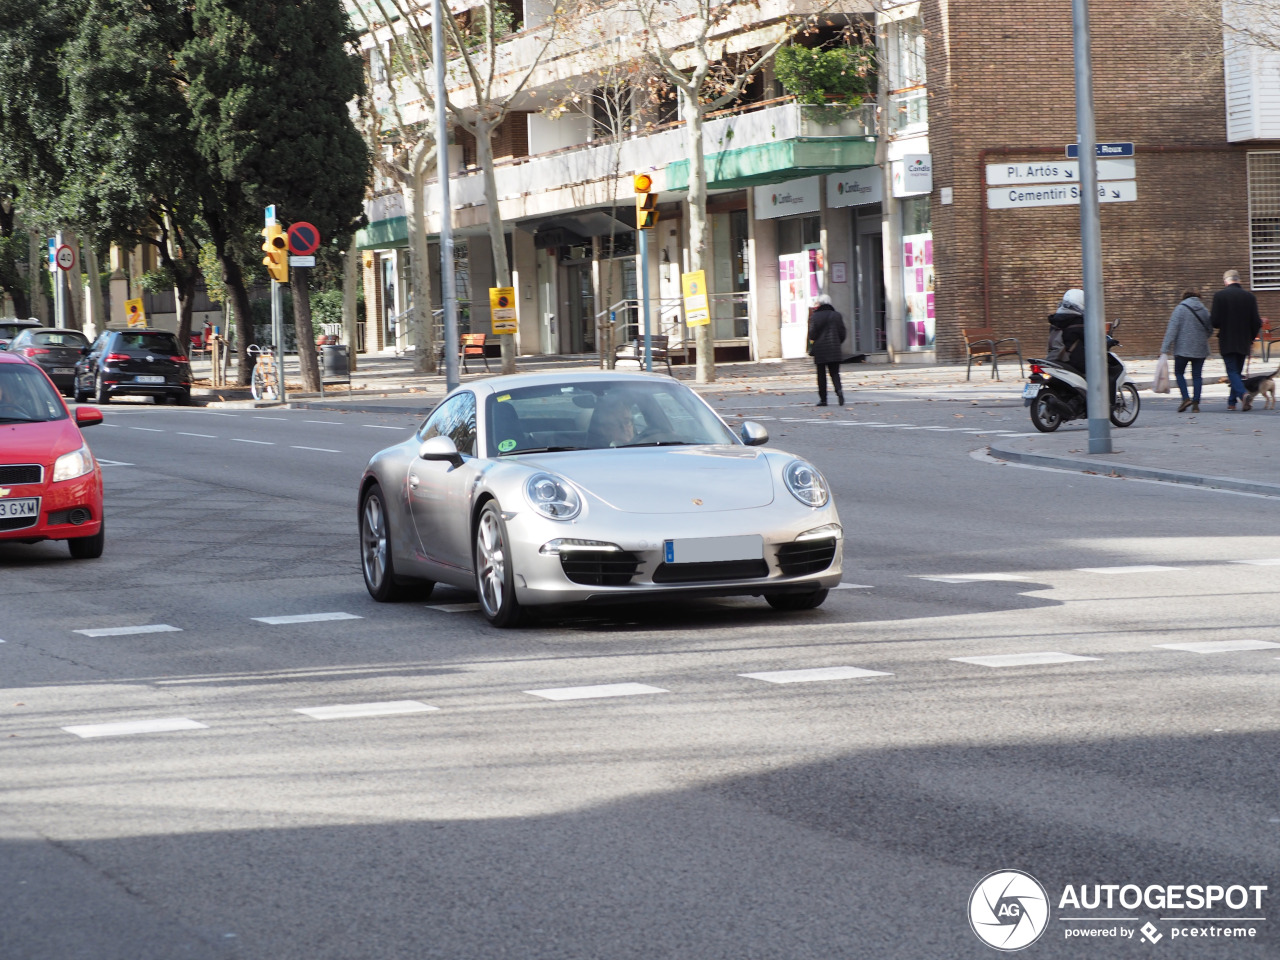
(1235, 317)
(826, 346)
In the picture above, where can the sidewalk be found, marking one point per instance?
(1215, 448)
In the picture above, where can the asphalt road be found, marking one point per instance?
(711, 814)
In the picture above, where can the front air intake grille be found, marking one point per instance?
(18, 523)
(21, 473)
(710, 572)
(75, 516)
(806, 556)
(599, 568)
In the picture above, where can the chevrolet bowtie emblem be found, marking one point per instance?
(697, 502)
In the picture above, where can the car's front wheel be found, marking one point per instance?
(375, 553)
(88, 548)
(797, 601)
(495, 573)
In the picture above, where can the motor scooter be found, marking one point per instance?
(1058, 392)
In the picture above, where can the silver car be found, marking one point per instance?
(543, 489)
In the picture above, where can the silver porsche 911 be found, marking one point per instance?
(558, 488)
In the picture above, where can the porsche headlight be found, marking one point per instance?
(552, 497)
(806, 483)
(74, 464)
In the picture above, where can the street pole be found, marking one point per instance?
(59, 296)
(448, 283)
(277, 331)
(1098, 393)
(644, 298)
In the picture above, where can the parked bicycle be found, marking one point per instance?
(265, 384)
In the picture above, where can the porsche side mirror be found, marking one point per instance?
(752, 433)
(440, 448)
(88, 416)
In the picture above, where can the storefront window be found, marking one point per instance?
(918, 279)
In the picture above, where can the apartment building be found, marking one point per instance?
(945, 203)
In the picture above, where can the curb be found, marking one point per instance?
(1134, 472)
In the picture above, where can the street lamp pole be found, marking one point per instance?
(1098, 394)
(448, 284)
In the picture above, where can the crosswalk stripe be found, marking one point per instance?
(1219, 646)
(127, 727)
(306, 618)
(1023, 659)
(348, 711)
(597, 691)
(815, 674)
(127, 631)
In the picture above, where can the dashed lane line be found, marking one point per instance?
(128, 631)
(1023, 659)
(1260, 563)
(206, 436)
(316, 449)
(263, 443)
(349, 711)
(1136, 568)
(598, 691)
(815, 674)
(127, 727)
(1219, 646)
(306, 618)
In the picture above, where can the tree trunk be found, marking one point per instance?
(497, 238)
(704, 335)
(350, 322)
(233, 280)
(97, 304)
(36, 258)
(304, 332)
(420, 320)
(186, 290)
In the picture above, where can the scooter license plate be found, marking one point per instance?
(1030, 391)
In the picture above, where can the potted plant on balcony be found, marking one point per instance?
(830, 80)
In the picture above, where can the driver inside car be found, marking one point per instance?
(613, 423)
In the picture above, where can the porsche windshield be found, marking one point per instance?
(26, 396)
(600, 414)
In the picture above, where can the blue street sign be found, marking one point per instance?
(1104, 150)
(270, 216)
(53, 247)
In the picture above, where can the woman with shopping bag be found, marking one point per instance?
(1187, 341)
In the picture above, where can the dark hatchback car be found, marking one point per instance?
(134, 362)
(55, 351)
(10, 328)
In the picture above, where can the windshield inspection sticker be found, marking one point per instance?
(506, 445)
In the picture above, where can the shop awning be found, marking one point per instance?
(777, 162)
(381, 234)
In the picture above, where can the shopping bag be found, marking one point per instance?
(1160, 383)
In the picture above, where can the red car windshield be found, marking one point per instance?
(26, 396)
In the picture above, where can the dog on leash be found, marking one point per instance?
(1264, 384)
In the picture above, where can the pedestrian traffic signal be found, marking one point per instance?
(276, 245)
(646, 202)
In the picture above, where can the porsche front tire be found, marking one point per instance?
(797, 601)
(495, 576)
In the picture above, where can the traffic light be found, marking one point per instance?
(276, 246)
(646, 202)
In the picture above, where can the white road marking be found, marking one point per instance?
(815, 674)
(347, 711)
(207, 436)
(256, 417)
(377, 426)
(128, 631)
(112, 463)
(1139, 568)
(975, 577)
(889, 426)
(601, 690)
(853, 586)
(265, 443)
(1219, 646)
(316, 449)
(1023, 659)
(135, 726)
(333, 423)
(1260, 563)
(148, 429)
(307, 618)
(211, 413)
(453, 607)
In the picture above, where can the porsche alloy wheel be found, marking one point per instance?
(495, 578)
(375, 554)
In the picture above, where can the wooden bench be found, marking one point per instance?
(1266, 337)
(473, 346)
(659, 349)
(984, 346)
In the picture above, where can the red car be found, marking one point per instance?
(50, 484)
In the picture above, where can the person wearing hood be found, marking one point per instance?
(1187, 341)
(826, 346)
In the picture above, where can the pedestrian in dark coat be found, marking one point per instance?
(826, 346)
(1187, 340)
(1235, 317)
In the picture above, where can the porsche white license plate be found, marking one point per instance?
(148, 379)
(27, 507)
(714, 549)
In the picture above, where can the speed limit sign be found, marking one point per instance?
(65, 257)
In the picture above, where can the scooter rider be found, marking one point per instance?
(1066, 337)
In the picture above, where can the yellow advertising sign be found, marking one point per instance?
(134, 314)
(697, 311)
(502, 309)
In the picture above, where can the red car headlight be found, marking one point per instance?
(74, 464)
